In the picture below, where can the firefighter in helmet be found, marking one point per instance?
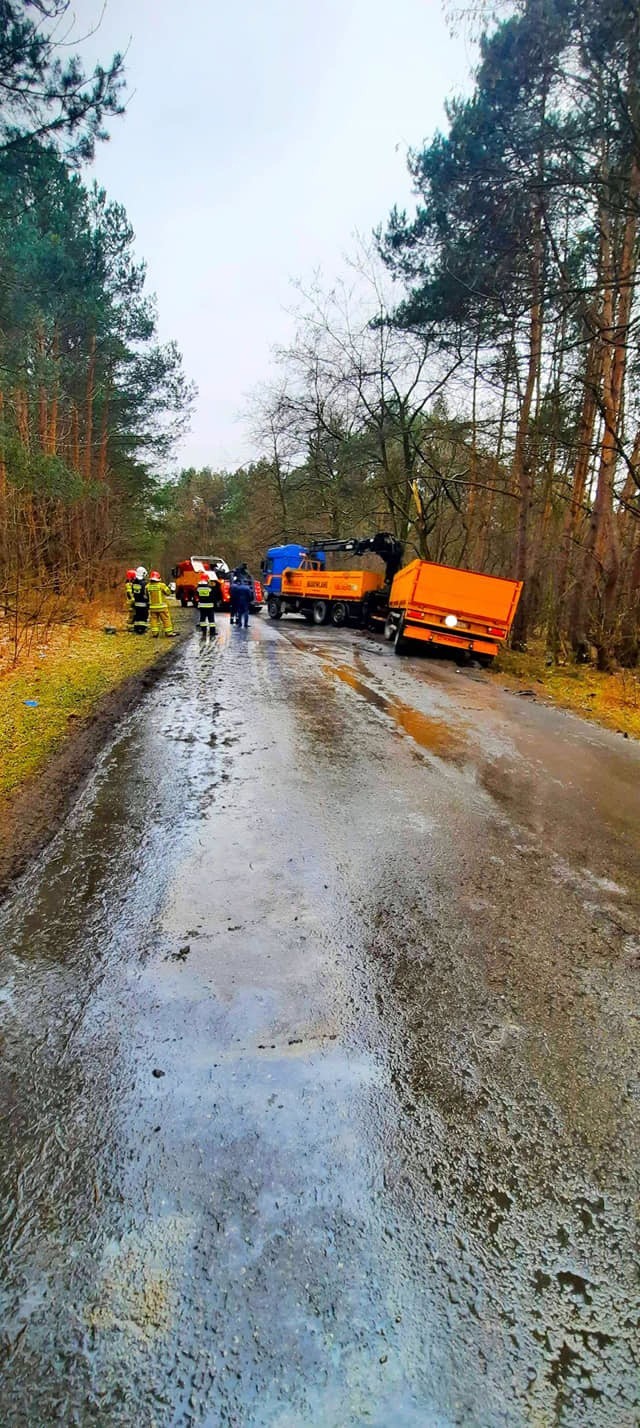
(140, 598)
(207, 598)
(128, 591)
(159, 613)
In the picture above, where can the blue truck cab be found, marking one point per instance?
(286, 557)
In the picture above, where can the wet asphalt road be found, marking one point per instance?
(319, 1082)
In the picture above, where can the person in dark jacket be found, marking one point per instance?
(244, 596)
(140, 595)
(239, 576)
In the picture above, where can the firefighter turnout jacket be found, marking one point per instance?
(206, 593)
(140, 594)
(158, 594)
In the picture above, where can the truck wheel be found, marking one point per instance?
(400, 644)
(320, 612)
(390, 628)
(274, 608)
(339, 613)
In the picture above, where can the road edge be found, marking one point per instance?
(31, 816)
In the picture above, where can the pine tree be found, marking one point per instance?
(44, 94)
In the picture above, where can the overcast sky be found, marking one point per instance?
(258, 138)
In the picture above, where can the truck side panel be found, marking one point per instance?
(465, 594)
(404, 584)
(329, 584)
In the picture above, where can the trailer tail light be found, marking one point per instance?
(415, 614)
(495, 630)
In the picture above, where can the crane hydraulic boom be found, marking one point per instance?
(390, 550)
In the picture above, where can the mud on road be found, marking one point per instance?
(320, 1025)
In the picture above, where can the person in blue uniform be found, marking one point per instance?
(244, 596)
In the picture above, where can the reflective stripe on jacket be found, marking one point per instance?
(157, 591)
(206, 599)
(139, 593)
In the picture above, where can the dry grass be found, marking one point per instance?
(609, 699)
(66, 676)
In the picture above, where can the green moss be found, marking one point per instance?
(67, 681)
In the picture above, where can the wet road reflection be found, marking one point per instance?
(319, 1083)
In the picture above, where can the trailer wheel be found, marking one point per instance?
(339, 613)
(274, 608)
(320, 612)
(390, 628)
(400, 644)
(485, 660)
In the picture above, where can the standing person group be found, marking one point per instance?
(147, 597)
(147, 600)
(241, 593)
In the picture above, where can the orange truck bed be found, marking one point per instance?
(330, 584)
(439, 604)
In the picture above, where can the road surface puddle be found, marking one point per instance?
(435, 735)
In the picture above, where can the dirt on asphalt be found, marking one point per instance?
(319, 1092)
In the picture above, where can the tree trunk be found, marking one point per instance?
(89, 401)
(104, 438)
(3, 465)
(21, 407)
(601, 572)
(474, 529)
(522, 474)
(52, 433)
(75, 438)
(42, 393)
(584, 452)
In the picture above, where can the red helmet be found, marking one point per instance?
(131, 575)
(155, 575)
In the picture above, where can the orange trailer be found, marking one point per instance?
(440, 605)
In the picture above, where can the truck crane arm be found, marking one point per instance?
(390, 550)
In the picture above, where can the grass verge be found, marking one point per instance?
(65, 679)
(609, 699)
